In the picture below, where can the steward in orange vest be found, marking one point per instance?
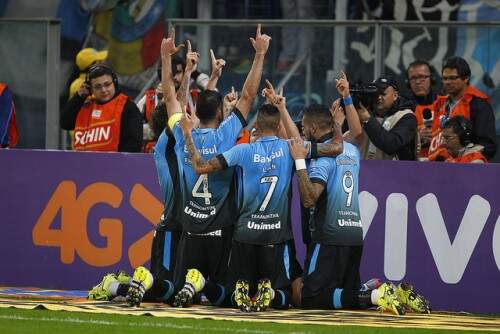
(107, 120)
(457, 140)
(444, 110)
(462, 100)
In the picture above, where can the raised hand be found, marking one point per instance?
(261, 41)
(192, 58)
(230, 99)
(168, 44)
(338, 113)
(276, 99)
(217, 65)
(342, 85)
(186, 123)
(297, 149)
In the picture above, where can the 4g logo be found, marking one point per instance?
(72, 237)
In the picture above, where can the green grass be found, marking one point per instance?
(43, 321)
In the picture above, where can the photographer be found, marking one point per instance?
(392, 127)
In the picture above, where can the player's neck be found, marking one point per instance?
(214, 124)
(267, 133)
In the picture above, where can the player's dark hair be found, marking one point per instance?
(319, 115)
(159, 119)
(268, 117)
(458, 64)
(208, 105)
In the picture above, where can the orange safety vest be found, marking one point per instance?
(244, 137)
(97, 126)
(150, 104)
(419, 114)
(436, 148)
(467, 158)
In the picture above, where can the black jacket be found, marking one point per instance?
(130, 127)
(400, 140)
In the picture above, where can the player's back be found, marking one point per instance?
(208, 199)
(338, 217)
(264, 191)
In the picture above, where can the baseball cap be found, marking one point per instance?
(88, 56)
(386, 81)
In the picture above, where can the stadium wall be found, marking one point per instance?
(68, 218)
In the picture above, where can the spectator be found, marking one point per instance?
(391, 131)
(105, 121)
(9, 135)
(420, 77)
(457, 139)
(152, 97)
(462, 99)
(84, 59)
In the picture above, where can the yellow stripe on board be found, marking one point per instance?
(370, 318)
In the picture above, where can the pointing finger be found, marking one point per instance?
(212, 55)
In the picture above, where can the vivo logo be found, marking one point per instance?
(451, 256)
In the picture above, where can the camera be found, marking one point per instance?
(363, 94)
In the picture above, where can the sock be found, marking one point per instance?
(374, 297)
(122, 289)
(364, 298)
(113, 287)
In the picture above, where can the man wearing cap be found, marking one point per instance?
(84, 59)
(390, 130)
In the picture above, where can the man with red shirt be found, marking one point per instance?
(462, 99)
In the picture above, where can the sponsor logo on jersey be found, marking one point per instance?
(96, 113)
(94, 135)
(257, 158)
(349, 222)
(204, 150)
(262, 226)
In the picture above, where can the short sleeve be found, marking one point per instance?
(234, 156)
(321, 169)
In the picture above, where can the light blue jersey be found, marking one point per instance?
(166, 167)
(208, 202)
(266, 173)
(337, 217)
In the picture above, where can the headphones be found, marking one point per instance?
(101, 69)
(418, 62)
(465, 131)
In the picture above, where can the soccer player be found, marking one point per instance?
(156, 285)
(260, 252)
(208, 203)
(332, 279)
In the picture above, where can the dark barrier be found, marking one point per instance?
(68, 218)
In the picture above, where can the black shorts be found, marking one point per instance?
(255, 262)
(295, 267)
(330, 267)
(209, 253)
(163, 254)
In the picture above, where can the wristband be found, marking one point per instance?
(347, 100)
(300, 164)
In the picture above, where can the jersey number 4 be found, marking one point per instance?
(202, 183)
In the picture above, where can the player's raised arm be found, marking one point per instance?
(217, 65)
(168, 48)
(192, 59)
(355, 130)
(200, 165)
(309, 191)
(260, 44)
(279, 101)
